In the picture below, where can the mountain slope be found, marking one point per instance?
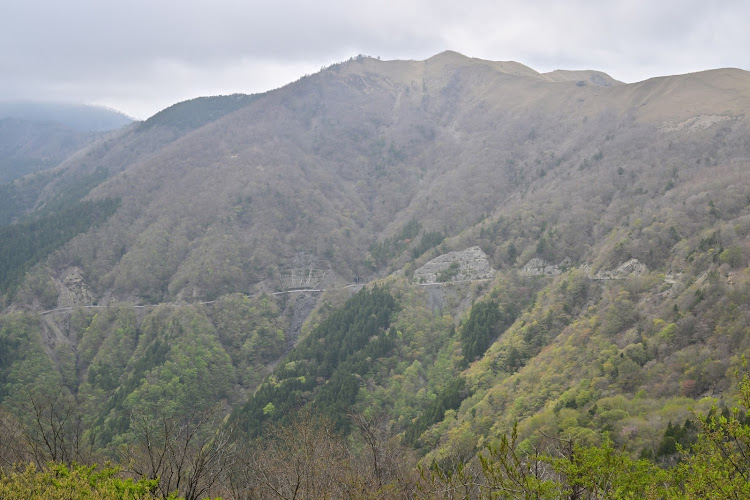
(338, 158)
(27, 146)
(616, 216)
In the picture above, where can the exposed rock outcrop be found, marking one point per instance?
(540, 267)
(469, 264)
(630, 268)
(73, 289)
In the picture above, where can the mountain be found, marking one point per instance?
(28, 146)
(78, 117)
(329, 165)
(37, 136)
(561, 249)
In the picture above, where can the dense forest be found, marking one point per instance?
(24, 244)
(316, 443)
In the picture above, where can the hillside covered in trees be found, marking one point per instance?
(37, 136)
(437, 278)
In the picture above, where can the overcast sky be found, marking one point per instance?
(140, 56)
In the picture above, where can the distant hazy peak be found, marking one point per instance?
(80, 117)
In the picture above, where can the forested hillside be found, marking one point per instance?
(429, 276)
(77, 117)
(30, 146)
(37, 136)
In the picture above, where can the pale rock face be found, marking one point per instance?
(630, 268)
(73, 289)
(540, 267)
(473, 264)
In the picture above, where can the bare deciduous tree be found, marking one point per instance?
(306, 459)
(187, 455)
(386, 466)
(53, 428)
(13, 447)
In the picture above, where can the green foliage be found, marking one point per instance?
(113, 419)
(38, 287)
(195, 373)
(605, 472)
(717, 466)
(486, 321)
(393, 246)
(252, 333)
(676, 438)
(177, 366)
(76, 483)
(507, 472)
(429, 240)
(509, 475)
(449, 398)
(732, 256)
(620, 314)
(24, 365)
(328, 364)
(191, 114)
(448, 273)
(176, 359)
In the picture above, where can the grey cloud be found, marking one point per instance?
(161, 50)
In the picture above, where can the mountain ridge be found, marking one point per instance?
(302, 103)
(79, 117)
